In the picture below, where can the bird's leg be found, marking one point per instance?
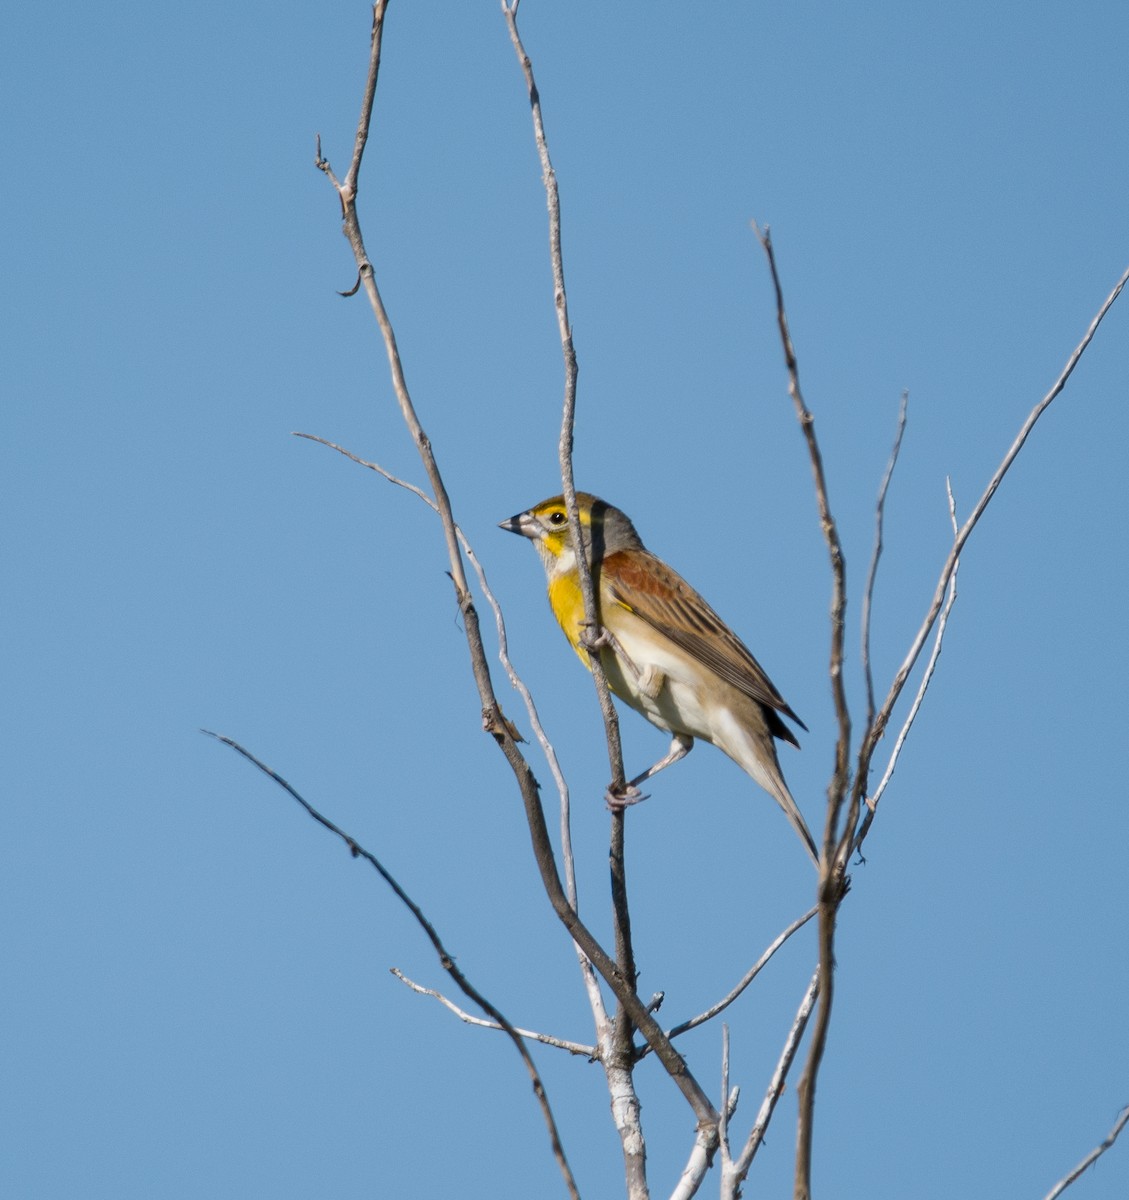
(594, 642)
(680, 746)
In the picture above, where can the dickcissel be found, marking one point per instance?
(664, 650)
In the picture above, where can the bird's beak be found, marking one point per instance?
(524, 524)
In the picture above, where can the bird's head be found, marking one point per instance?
(605, 530)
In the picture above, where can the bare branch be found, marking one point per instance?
(940, 608)
(747, 978)
(618, 1053)
(568, 416)
(837, 835)
(1092, 1157)
(701, 1157)
(872, 573)
(349, 187)
(732, 1179)
(446, 960)
(499, 729)
(545, 1039)
(347, 194)
(878, 728)
(926, 679)
(838, 787)
(595, 999)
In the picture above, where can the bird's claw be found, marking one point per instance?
(593, 637)
(630, 794)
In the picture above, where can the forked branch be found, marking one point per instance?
(874, 734)
(622, 987)
(446, 959)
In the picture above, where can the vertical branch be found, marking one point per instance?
(620, 1051)
(568, 414)
(348, 188)
(872, 573)
(832, 880)
(840, 834)
(837, 789)
(619, 1059)
(493, 719)
(347, 194)
(735, 1171)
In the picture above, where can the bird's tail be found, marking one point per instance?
(780, 793)
(755, 752)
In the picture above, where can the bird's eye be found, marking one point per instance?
(558, 518)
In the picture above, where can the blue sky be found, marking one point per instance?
(198, 997)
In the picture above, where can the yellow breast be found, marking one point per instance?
(568, 607)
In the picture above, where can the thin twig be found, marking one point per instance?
(568, 351)
(348, 189)
(923, 687)
(939, 608)
(618, 1056)
(732, 1180)
(568, 408)
(493, 719)
(747, 978)
(832, 879)
(546, 1039)
(872, 573)
(592, 987)
(1092, 1157)
(568, 411)
(838, 787)
(878, 728)
(446, 959)
(515, 679)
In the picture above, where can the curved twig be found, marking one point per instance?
(926, 678)
(446, 959)
(546, 1039)
(872, 572)
(746, 979)
(595, 999)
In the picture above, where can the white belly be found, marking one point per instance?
(662, 682)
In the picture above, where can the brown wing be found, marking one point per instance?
(646, 586)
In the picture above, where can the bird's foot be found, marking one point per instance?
(593, 637)
(630, 794)
(600, 638)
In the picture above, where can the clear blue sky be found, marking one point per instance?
(197, 998)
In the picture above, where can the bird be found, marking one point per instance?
(664, 650)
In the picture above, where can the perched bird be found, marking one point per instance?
(665, 651)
